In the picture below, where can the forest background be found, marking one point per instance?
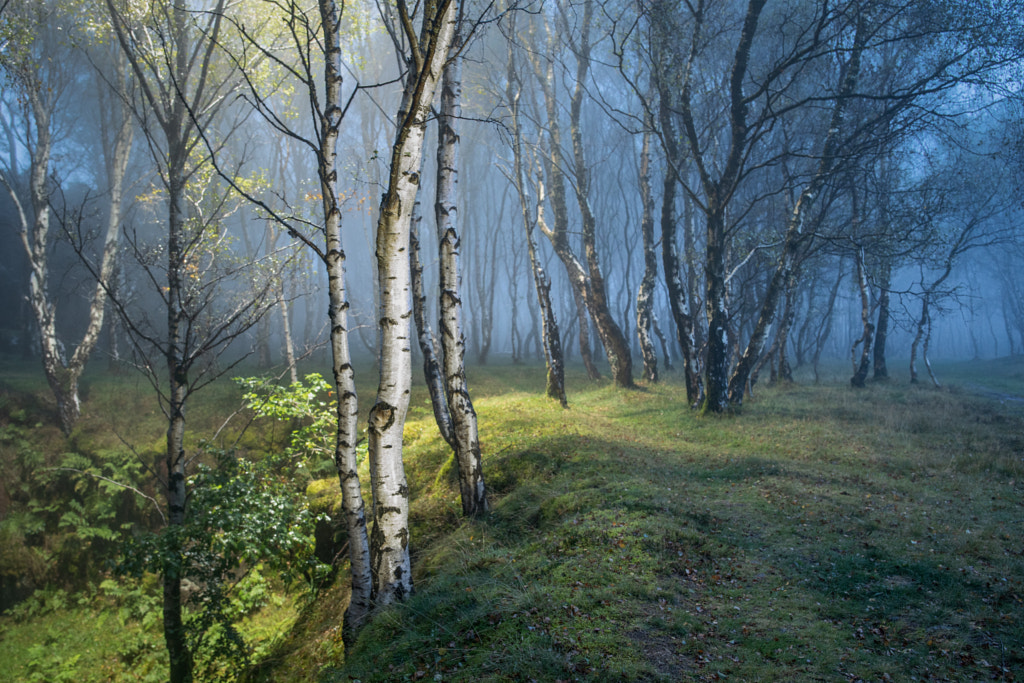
(727, 194)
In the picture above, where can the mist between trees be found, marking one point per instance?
(726, 190)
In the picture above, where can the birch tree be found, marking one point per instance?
(551, 340)
(389, 539)
(465, 439)
(310, 56)
(585, 277)
(37, 64)
(798, 230)
(645, 295)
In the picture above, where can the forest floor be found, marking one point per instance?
(823, 534)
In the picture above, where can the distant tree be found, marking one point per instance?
(969, 206)
(585, 277)
(551, 339)
(726, 145)
(38, 61)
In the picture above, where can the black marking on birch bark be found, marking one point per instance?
(382, 416)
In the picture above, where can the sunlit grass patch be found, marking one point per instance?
(821, 531)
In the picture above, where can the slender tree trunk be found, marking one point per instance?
(347, 409)
(263, 359)
(716, 368)
(389, 541)
(114, 326)
(881, 372)
(678, 295)
(645, 295)
(289, 343)
(555, 386)
(826, 322)
(552, 344)
(788, 315)
(431, 367)
(515, 336)
(861, 367)
(177, 368)
(465, 438)
(552, 341)
(485, 292)
(924, 354)
(665, 351)
(923, 322)
(615, 345)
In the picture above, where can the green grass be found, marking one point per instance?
(826, 533)
(823, 534)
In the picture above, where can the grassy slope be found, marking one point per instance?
(824, 534)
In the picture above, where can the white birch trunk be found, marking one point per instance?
(465, 438)
(645, 295)
(63, 373)
(431, 366)
(389, 541)
(346, 433)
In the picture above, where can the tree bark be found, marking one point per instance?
(347, 408)
(665, 351)
(881, 371)
(861, 367)
(431, 367)
(289, 342)
(788, 315)
(552, 344)
(645, 295)
(465, 438)
(716, 366)
(389, 541)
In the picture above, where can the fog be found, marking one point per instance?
(921, 176)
